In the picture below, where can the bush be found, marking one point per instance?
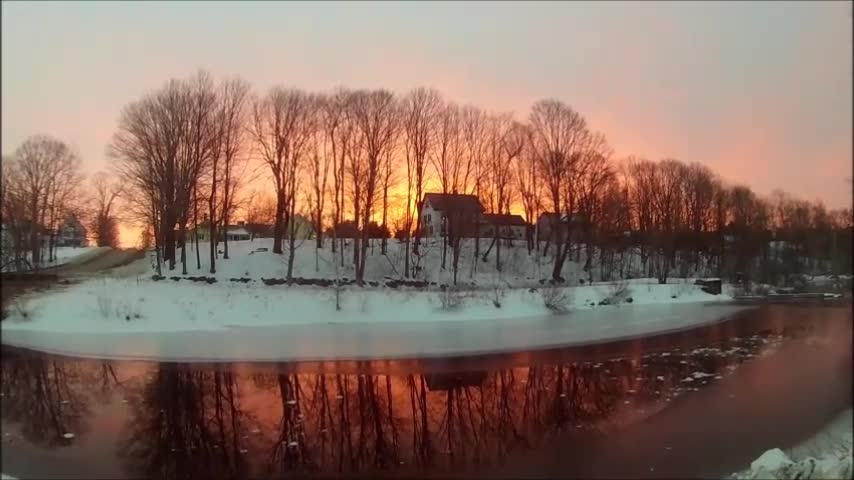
(451, 298)
(619, 292)
(555, 298)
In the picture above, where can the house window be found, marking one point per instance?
(429, 219)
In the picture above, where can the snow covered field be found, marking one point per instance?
(142, 305)
(518, 267)
(130, 302)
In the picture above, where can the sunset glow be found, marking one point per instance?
(760, 92)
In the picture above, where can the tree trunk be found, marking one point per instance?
(291, 234)
(158, 242)
(212, 220)
(384, 243)
(196, 223)
(277, 225)
(183, 238)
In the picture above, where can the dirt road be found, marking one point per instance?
(110, 259)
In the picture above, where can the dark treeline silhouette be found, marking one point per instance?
(345, 150)
(357, 161)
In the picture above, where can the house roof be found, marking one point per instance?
(453, 201)
(236, 230)
(564, 218)
(501, 219)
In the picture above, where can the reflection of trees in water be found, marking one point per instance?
(187, 424)
(364, 423)
(45, 397)
(349, 423)
(196, 422)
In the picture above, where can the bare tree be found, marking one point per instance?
(446, 158)
(147, 146)
(420, 116)
(318, 170)
(506, 141)
(528, 187)
(104, 225)
(375, 115)
(473, 128)
(337, 132)
(281, 129)
(558, 135)
(47, 172)
(447, 155)
(234, 100)
(201, 152)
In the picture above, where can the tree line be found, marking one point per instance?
(42, 187)
(184, 154)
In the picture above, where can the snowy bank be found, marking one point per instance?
(353, 336)
(827, 455)
(139, 305)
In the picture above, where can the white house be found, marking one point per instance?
(232, 233)
(437, 208)
(236, 234)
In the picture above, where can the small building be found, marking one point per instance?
(71, 233)
(236, 234)
(510, 227)
(547, 223)
(438, 209)
(233, 233)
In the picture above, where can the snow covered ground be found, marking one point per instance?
(130, 302)
(828, 454)
(140, 304)
(518, 268)
(74, 255)
(348, 338)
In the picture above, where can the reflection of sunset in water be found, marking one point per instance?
(185, 421)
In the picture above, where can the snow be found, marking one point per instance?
(142, 305)
(403, 336)
(828, 454)
(518, 267)
(73, 255)
(130, 315)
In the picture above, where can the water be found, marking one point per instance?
(696, 403)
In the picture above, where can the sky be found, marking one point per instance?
(760, 92)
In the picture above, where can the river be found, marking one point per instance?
(695, 403)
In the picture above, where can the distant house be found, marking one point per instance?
(510, 227)
(233, 233)
(72, 233)
(547, 223)
(440, 208)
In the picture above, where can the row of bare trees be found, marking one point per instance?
(180, 150)
(370, 155)
(42, 187)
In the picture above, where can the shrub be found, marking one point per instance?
(556, 298)
(618, 292)
(451, 298)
